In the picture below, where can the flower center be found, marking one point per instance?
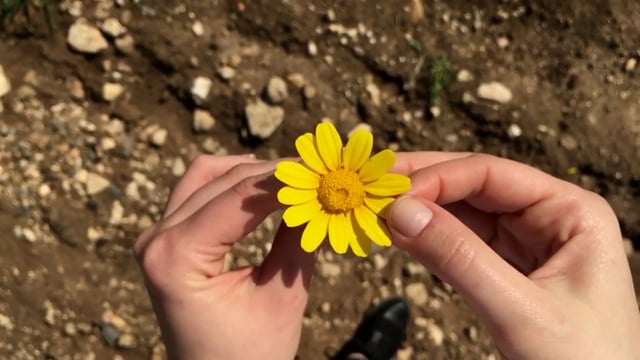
(341, 191)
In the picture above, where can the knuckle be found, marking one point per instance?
(459, 254)
(201, 161)
(245, 187)
(154, 259)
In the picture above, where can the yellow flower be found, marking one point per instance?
(340, 192)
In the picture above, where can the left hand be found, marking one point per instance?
(251, 313)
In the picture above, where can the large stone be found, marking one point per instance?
(86, 39)
(263, 120)
(96, 183)
(5, 84)
(495, 91)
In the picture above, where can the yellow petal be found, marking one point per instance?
(315, 232)
(377, 166)
(358, 150)
(378, 205)
(292, 196)
(361, 244)
(340, 233)
(329, 145)
(306, 146)
(297, 175)
(297, 215)
(373, 226)
(389, 185)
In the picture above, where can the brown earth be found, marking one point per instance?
(69, 287)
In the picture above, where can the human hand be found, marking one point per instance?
(540, 260)
(251, 313)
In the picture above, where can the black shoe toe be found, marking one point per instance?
(381, 332)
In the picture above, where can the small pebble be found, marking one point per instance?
(197, 28)
(277, 90)
(514, 131)
(159, 137)
(226, 72)
(203, 121)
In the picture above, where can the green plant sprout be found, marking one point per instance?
(441, 75)
(10, 8)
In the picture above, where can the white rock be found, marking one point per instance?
(226, 72)
(108, 143)
(117, 213)
(197, 28)
(44, 190)
(203, 121)
(113, 28)
(417, 293)
(125, 44)
(5, 84)
(179, 167)
(200, 89)
(329, 269)
(5, 322)
(629, 66)
(86, 39)
(159, 137)
(495, 91)
(112, 91)
(435, 333)
(277, 91)
(464, 76)
(358, 127)
(312, 48)
(263, 120)
(514, 131)
(96, 183)
(379, 261)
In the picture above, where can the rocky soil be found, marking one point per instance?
(99, 119)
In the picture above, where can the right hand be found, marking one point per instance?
(540, 260)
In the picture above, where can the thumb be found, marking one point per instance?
(454, 253)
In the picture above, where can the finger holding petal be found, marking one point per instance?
(389, 185)
(315, 232)
(308, 151)
(329, 145)
(358, 150)
(297, 175)
(340, 233)
(373, 226)
(378, 165)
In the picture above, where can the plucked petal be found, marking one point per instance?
(340, 233)
(297, 175)
(308, 151)
(329, 145)
(315, 232)
(297, 215)
(360, 244)
(378, 205)
(373, 226)
(377, 166)
(292, 196)
(389, 185)
(358, 150)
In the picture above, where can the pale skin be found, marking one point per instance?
(538, 259)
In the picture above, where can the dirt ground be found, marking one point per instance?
(84, 167)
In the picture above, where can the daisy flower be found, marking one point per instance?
(339, 192)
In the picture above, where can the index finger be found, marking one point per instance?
(409, 162)
(488, 183)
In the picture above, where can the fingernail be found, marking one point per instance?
(409, 216)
